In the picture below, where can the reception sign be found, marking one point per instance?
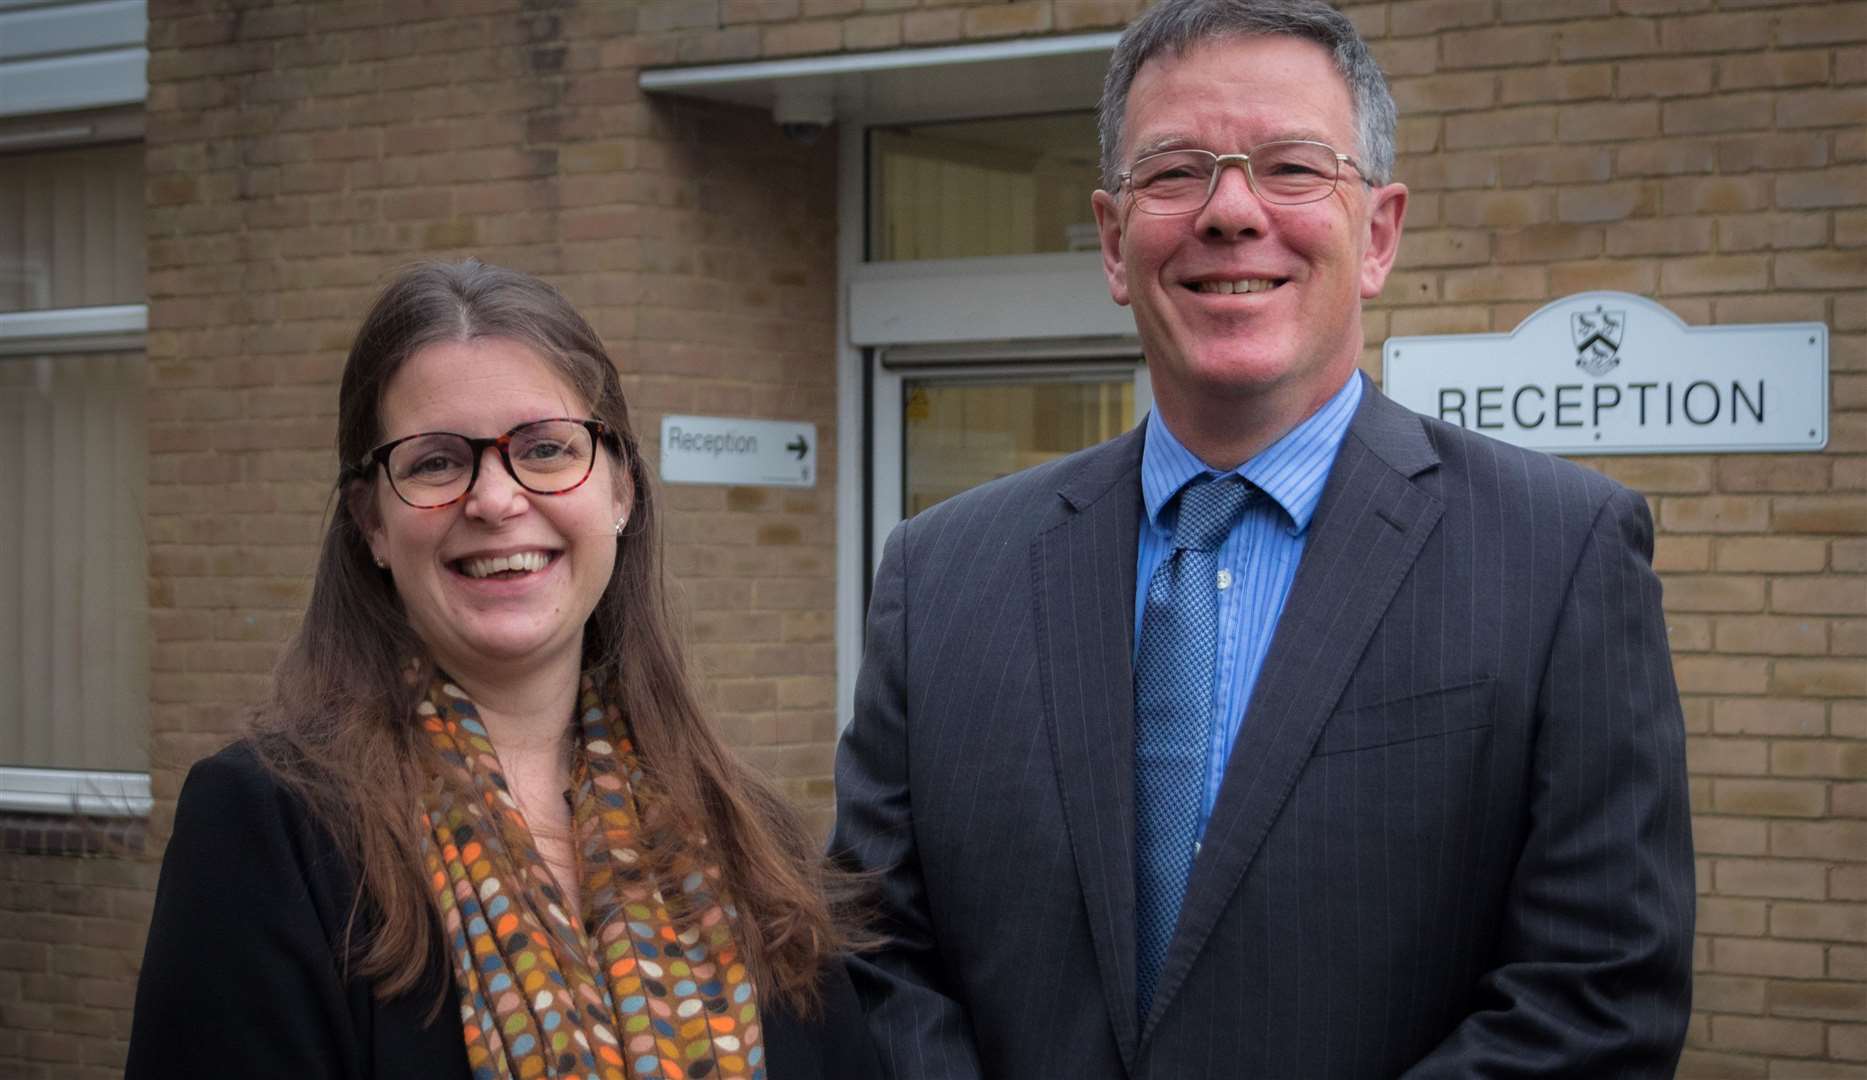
(737, 450)
(1615, 373)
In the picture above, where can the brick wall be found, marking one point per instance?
(1709, 153)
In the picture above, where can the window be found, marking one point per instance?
(1010, 186)
(74, 666)
(961, 431)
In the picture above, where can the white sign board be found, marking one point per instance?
(729, 450)
(1615, 373)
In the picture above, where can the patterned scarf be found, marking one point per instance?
(627, 991)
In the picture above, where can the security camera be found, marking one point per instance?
(803, 111)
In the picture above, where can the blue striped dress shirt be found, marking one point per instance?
(1257, 562)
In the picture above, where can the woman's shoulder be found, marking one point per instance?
(239, 777)
(237, 818)
(237, 767)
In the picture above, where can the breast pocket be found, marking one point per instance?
(1428, 714)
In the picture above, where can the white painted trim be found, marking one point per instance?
(74, 791)
(122, 123)
(62, 29)
(676, 80)
(961, 354)
(62, 330)
(851, 481)
(1007, 297)
(84, 81)
(46, 137)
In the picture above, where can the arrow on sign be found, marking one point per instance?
(798, 446)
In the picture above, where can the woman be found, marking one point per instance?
(482, 827)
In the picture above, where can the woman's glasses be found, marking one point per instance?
(433, 469)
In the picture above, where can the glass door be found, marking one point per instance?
(942, 430)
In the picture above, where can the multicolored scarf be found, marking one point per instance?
(629, 989)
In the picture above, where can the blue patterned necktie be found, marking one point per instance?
(1173, 687)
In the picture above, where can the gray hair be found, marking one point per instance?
(1179, 25)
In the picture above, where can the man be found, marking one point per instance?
(1292, 734)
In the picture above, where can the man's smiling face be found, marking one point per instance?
(1245, 299)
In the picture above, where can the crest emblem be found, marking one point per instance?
(1597, 338)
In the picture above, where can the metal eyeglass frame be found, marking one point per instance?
(600, 434)
(1243, 161)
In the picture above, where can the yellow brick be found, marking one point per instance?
(1849, 1041)
(1681, 554)
(1772, 553)
(1770, 798)
(1845, 514)
(1716, 274)
(1768, 716)
(1727, 917)
(801, 38)
(1074, 15)
(1721, 674)
(927, 27)
(1799, 1038)
(1820, 678)
(1830, 922)
(1772, 635)
(872, 32)
(1836, 758)
(1790, 879)
(1761, 956)
(1727, 757)
(1840, 840)
(1828, 595)
(1008, 20)
(1699, 1064)
(1624, 275)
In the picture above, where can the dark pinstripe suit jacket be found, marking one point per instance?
(1452, 840)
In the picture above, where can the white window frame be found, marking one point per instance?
(959, 304)
(76, 54)
(1042, 363)
(87, 792)
(55, 60)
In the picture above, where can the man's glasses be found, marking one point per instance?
(1287, 173)
(433, 469)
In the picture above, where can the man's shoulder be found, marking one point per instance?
(1473, 461)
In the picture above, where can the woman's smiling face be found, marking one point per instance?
(505, 578)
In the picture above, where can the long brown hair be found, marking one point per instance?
(338, 727)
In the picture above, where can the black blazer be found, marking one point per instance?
(241, 976)
(1452, 840)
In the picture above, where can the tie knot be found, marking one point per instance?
(1208, 507)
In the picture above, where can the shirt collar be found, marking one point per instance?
(1292, 470)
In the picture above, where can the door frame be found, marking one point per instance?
(1061, 318)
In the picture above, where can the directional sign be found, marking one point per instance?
(1614, 373)
(731, 450)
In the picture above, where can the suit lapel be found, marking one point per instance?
(1083, 569)
(1366, 533)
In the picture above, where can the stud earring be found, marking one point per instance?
(382, 563)
(620, 522)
